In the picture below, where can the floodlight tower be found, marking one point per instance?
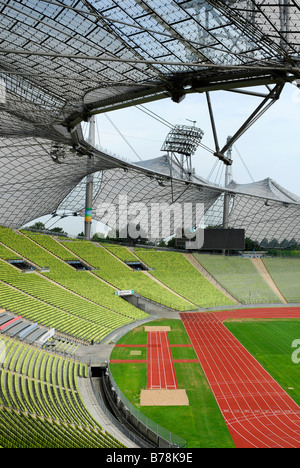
(180, 144)
(89, 183)
(228, 179)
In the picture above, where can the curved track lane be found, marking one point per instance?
(257, 411)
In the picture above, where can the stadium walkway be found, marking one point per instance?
(92, 405)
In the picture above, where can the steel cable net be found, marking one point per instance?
(62, 61)
(268, 213)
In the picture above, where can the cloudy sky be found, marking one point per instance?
(269, 149)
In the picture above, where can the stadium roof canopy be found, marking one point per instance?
(61, 62)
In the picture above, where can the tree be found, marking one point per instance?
(162, 244)
(172, 242)
(98, 236)
(274, 244)
(264, 243)
(39, 226)
(251, 245)
(58, 230)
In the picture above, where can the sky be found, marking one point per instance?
(270, 148)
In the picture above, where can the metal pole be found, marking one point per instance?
(89, 184)
(284, 8)
(228, 178)
(213, 125)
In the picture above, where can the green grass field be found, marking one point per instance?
(270, 342)
(201, 424)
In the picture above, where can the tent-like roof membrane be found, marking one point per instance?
(62, 61)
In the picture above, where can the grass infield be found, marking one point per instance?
(270, 342)
(201, 424)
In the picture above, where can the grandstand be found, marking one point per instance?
(239, 277)
(286, 275)
(173, 270)
(40, 405)
(83, 304)
(122, 253)
(76, 301)
(122, 277)
(41, 385)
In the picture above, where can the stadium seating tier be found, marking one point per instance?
(40, 405)
(239, 277)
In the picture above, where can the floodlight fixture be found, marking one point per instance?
(183, 139)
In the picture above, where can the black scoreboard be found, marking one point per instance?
(218, 239)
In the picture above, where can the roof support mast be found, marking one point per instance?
(228, 179)
(89, 183)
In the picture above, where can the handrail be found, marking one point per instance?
(172, 440)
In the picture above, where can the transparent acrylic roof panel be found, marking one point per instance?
(156, 42)
(181, 31)
(279, 20)
(191, 27)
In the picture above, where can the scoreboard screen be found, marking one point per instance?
(219, 239)
(224, 239)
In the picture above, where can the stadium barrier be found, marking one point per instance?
(162, 437)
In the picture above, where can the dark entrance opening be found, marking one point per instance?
(21, 265)
(137, 266)
(78, 265)
(97, 371)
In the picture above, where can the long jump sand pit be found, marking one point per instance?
(164, 398)
(157, 329)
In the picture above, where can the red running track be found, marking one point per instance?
(257, 411)
(160, 372)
